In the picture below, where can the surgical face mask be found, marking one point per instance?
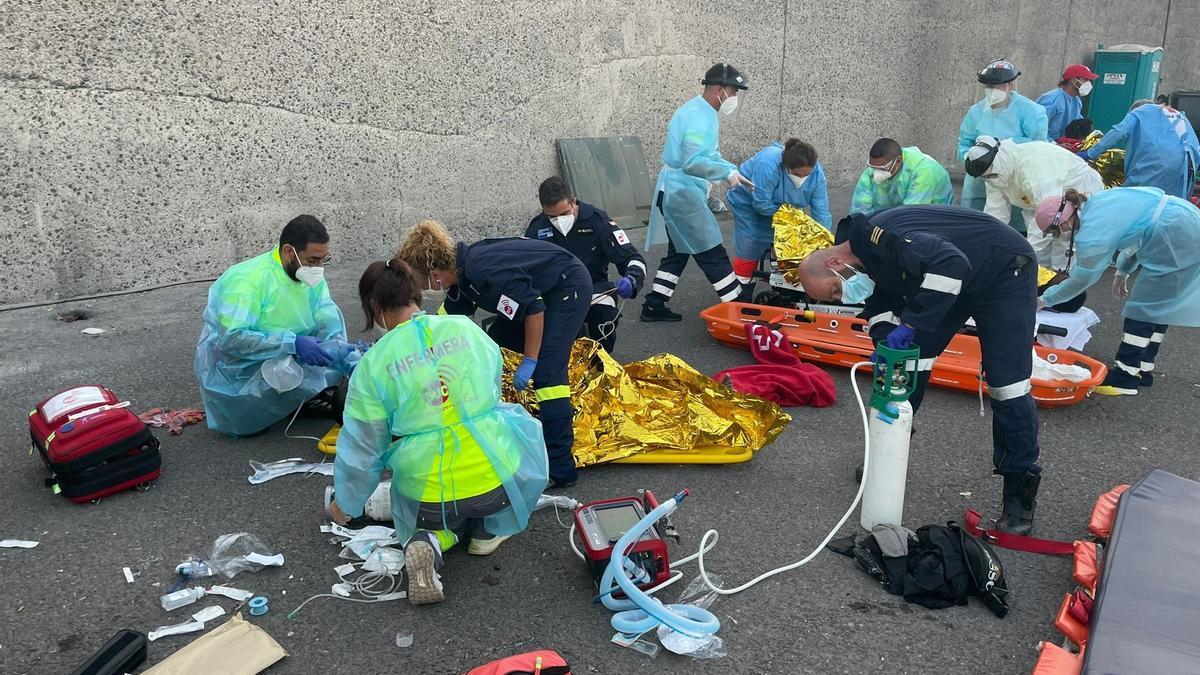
(797, 181)
(880, 176)
(996, 96)
(1085, 88)
(728, 105)
(309, 275)
(563, 223)
(379, 327)
(857, 288)
(434, 294)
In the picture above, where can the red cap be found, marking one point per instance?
(1079, 70)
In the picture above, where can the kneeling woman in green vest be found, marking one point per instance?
(425, 403)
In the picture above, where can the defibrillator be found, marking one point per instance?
(601, 523)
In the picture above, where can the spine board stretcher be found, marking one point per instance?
(843, 341)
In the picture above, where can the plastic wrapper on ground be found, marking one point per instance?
(658, 403)
(796, 236)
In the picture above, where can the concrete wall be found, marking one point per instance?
(147, 142)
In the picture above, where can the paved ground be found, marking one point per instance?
(67, 596)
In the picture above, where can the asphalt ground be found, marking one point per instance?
(68, 596)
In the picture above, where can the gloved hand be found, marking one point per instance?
(1083, 154)
(1120, 286)
(625, 287)
(310, 353)
(900, 338)
(524, 373)
(735, 179)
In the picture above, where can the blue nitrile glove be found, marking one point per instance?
(309, 352)
(625, 287)
(1083, 154)
(901, 337)
(524, 372)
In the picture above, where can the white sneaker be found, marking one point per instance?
(485, 546)
(424, 583)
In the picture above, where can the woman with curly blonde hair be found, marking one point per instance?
(540, 294)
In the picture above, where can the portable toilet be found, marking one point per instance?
(1127, 73)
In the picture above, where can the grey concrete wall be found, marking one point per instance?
(148, 142)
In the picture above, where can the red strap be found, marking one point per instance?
(1016, 542)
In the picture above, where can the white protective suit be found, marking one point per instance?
(1027, 174)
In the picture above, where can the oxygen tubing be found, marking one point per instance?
(640, 612)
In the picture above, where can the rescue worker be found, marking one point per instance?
(1021, 176)
(922, 271)
(594, 238)
(1004, 114)
(1064, 103)
(781, 173)
(540, 294)
(1158, 236)
(680, 217)
(270, 306)
(424, 402)
(1161, 149)
(896, 176)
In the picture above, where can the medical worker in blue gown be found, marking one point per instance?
(1161, 149)
(424, 402)
(1156, 236)
(1002, 114)
(679, 214)
(272, 310)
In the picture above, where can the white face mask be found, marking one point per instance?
(880, 176)
(996, 96)
(797, 181)
(309, 275)
(563, 223)
(728, 105)
(434, 294)
(1085, 88)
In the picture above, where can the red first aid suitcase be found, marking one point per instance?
(93, 445)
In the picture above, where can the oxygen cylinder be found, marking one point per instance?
(378, 506)
(887, 470)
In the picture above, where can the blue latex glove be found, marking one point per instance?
(1083, 154)
(625, 287)
(901, 337)
(524, 373)
(309, 352)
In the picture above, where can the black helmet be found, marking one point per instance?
(981, 155)
(725, 75)
(998, 72)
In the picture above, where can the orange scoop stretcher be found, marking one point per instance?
(843, 341)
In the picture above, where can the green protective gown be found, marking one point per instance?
(425, 402)
(254, 313)
(921, 180)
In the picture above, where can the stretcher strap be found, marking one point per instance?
(1016, 542)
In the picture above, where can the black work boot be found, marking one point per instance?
(747, 292)
(659, 313)
(1020, 499)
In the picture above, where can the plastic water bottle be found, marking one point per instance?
(182, 598)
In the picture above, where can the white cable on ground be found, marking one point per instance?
(709, 540)
(377, 586)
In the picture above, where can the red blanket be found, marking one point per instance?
(780, 376)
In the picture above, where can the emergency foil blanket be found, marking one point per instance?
(796, 236)
(1110, 164)
(654, 404)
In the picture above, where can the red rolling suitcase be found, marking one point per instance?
(93, 445)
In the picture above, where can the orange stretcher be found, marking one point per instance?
(843, 341)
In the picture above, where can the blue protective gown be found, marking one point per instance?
(1021, 121)
(753, 211)
(1061, 109)
(690, 161)
(1155, 233)
(1160, 149)
(254, 313)
(425, 402)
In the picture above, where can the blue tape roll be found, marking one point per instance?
(258, 606)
